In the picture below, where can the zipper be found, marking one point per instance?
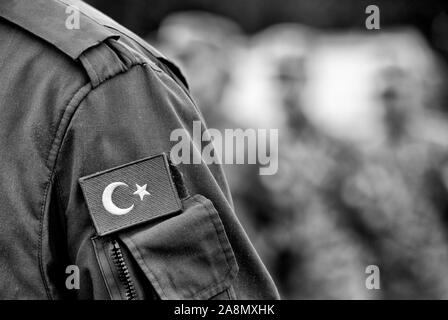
(123, 271)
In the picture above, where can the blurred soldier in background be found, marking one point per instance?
(371, 176)
(207, 47)
(362, 159)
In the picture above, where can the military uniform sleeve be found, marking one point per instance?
(197, 252)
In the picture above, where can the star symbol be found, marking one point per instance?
(141, 191)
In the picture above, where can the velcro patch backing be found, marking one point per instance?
(130, 194)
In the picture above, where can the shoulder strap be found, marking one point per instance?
(46, 19)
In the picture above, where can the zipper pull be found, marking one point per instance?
(123, 271)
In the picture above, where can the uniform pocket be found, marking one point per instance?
(186, 256)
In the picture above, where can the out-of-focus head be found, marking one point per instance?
(204, 45)
(182, 31)
(362, 84)
(267, 84)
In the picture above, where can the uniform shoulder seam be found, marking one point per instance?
(109, 59)
(51, 160)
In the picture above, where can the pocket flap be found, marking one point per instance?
(187, 256)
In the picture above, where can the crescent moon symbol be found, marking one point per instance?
(107, 199)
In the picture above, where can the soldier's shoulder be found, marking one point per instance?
(85, 36)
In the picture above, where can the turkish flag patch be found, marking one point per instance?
(130, 194)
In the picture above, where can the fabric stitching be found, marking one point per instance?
(52, 160)
(72, 101)
(152, 276)
(211, 211)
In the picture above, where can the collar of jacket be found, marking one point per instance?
(47, 20)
